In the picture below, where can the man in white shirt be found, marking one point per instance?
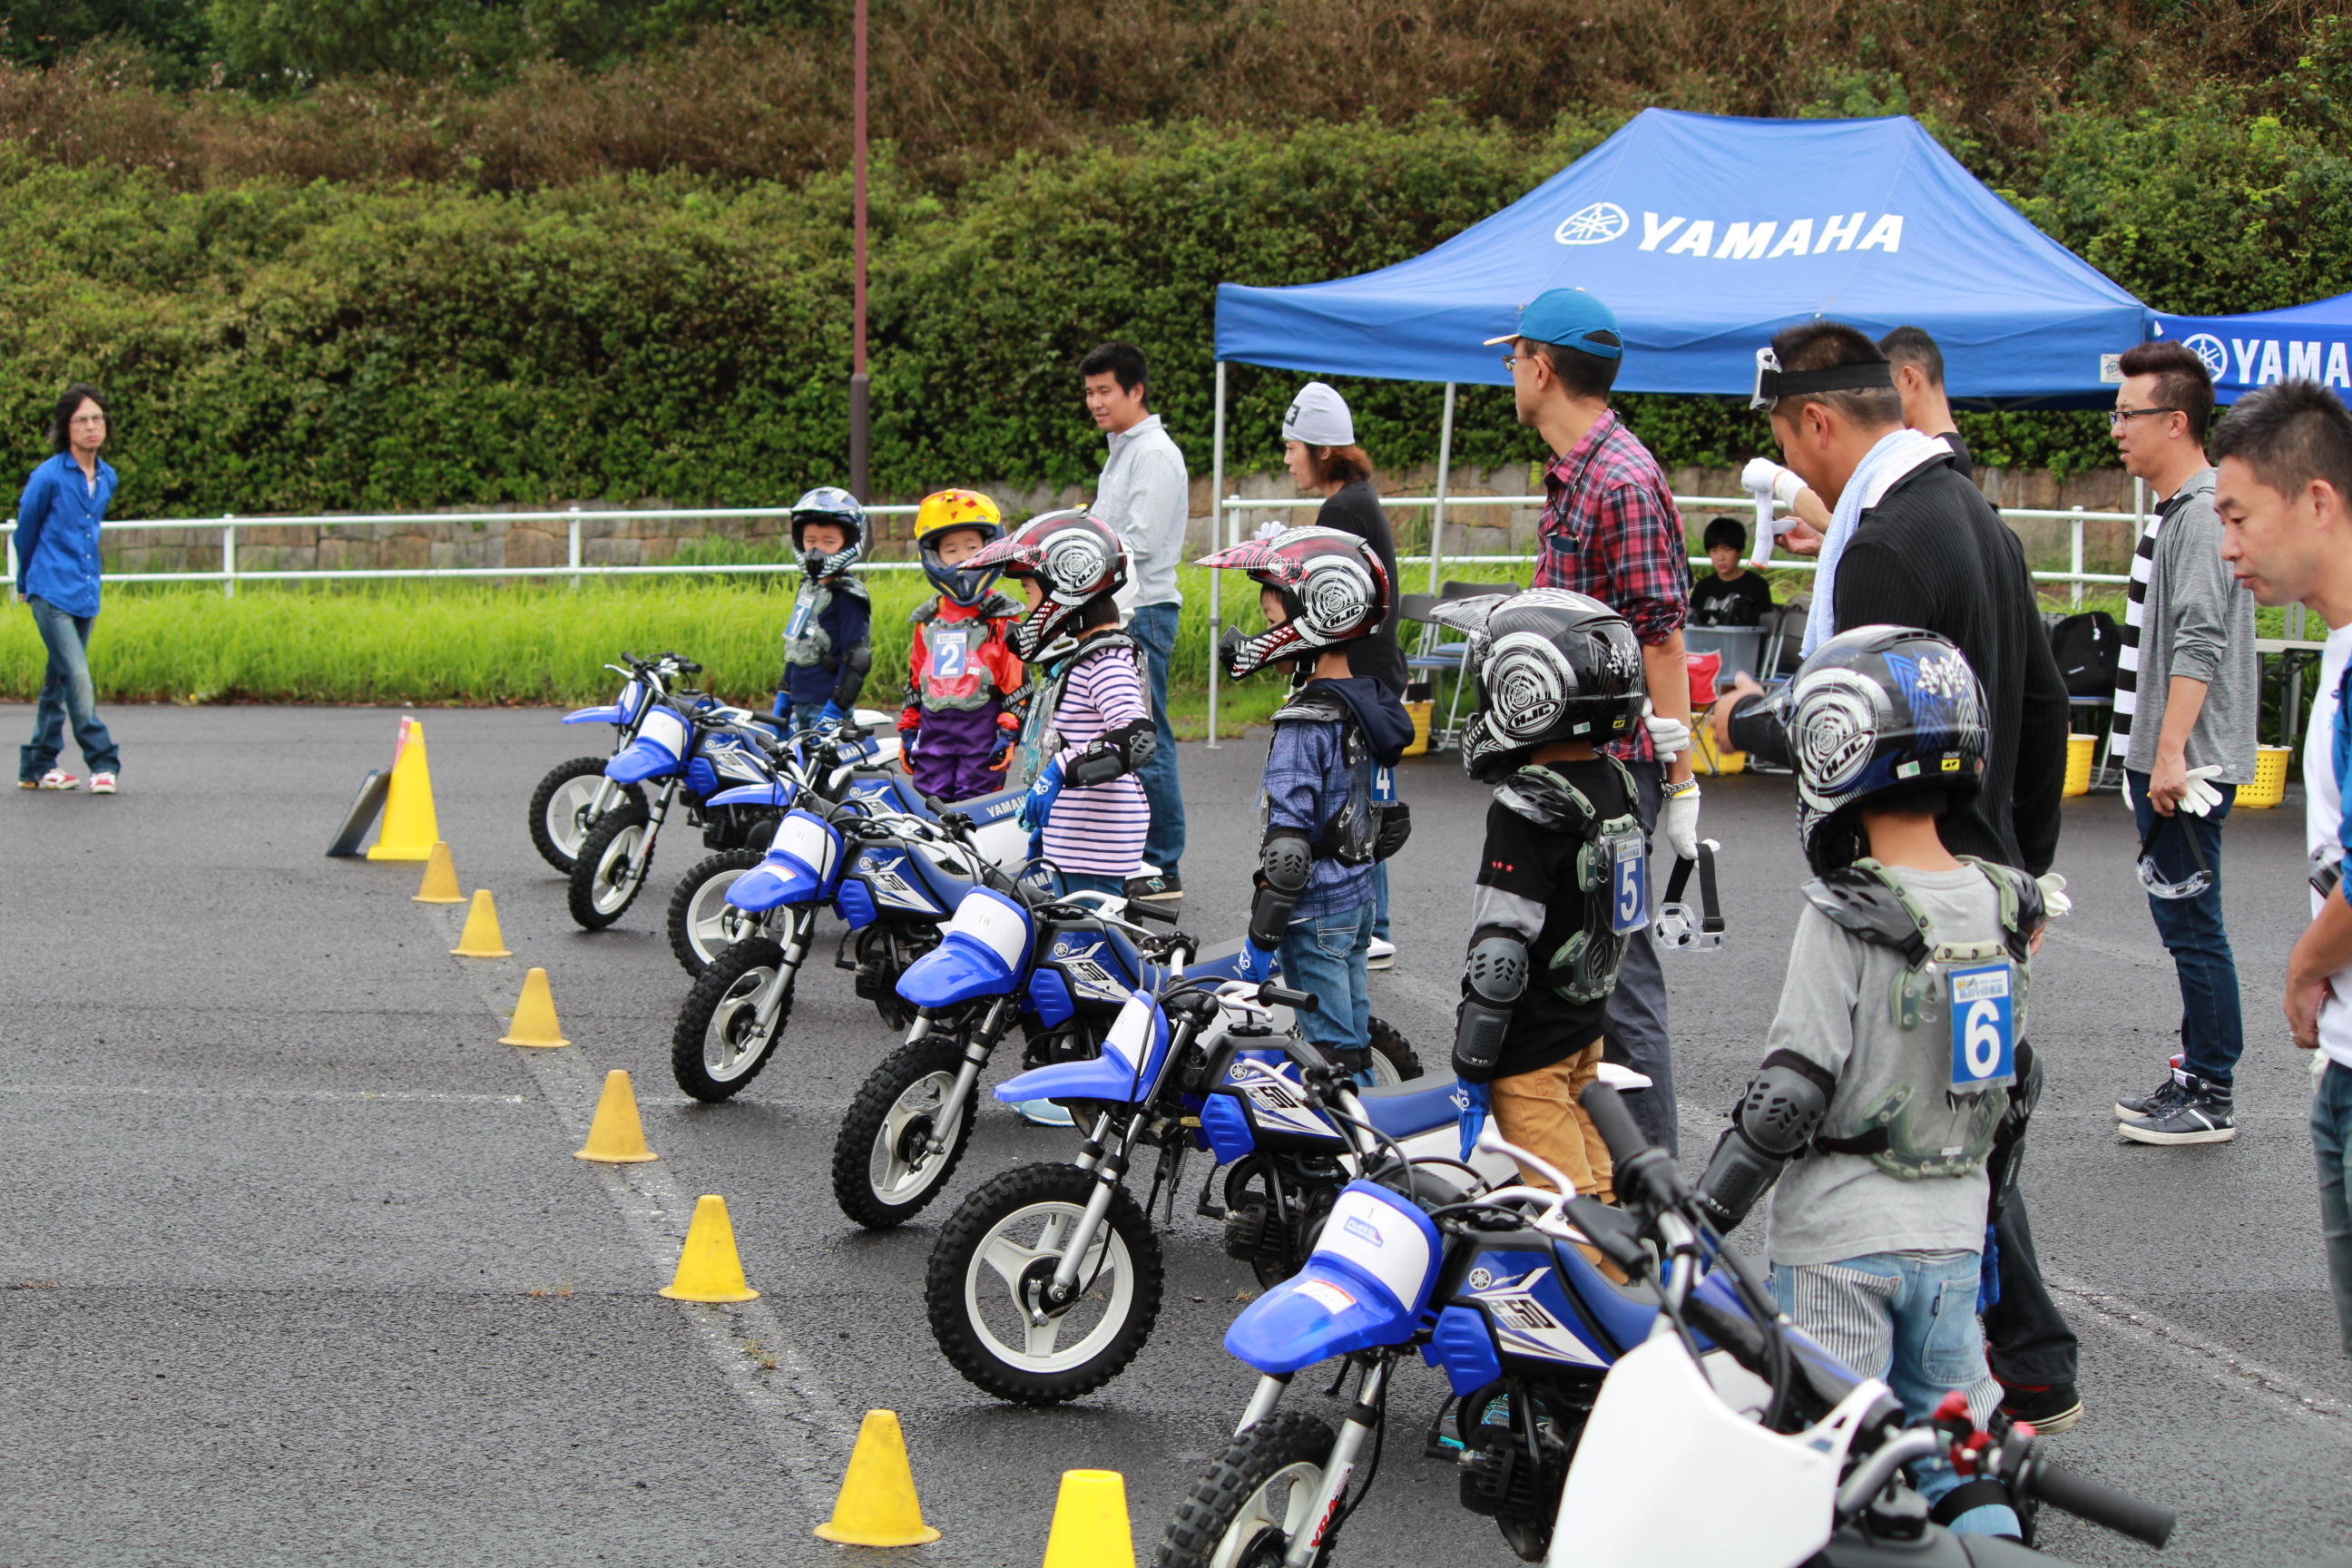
(2284, 492)
(1145, 495)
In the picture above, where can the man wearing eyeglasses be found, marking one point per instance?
(1610, 530)
(2187, 693)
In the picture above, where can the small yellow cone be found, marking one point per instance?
(410, 827)
(480, 939)
(708, 1267)
(877, 1505)
(1091, 1527)
(534, 1024)
(440, 884)
(617, 1136)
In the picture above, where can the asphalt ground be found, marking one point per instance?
(299, 1268)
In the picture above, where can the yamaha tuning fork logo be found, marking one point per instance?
(2208, 348)
(1595, 225)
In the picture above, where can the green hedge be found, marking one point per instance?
(276, 347)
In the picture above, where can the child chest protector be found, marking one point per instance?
(806, 642)
(1371, 824)
(1610, 877)
(1955, 1006)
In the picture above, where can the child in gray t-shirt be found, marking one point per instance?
(1895, 1044)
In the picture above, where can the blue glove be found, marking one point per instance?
(1255, 962)
(1474, 1100)
(832, 714)
(782, 707)
(1039, 804)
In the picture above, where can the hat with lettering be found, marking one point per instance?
(1571, 317)
(1319, 417)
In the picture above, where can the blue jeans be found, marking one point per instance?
(2331, 1136)
(1088, 882)
(2212, 1034)
(1324, 955)
(1909, 1317)
(67, 690)
(1381, 901)
(1154, 627)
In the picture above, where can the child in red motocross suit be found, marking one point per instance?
(962, 678)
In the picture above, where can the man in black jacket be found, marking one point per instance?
(1916, 544)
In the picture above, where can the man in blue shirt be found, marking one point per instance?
(56, 573)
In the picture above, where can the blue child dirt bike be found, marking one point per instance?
(1591, 1432)
(1046, 1282)
(891, 875)
(573, 796)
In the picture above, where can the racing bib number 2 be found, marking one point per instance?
(950, 653)
(1629, 882)
(1984, 1027)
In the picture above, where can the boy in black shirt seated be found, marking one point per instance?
(1731, 595)
(1563, 879)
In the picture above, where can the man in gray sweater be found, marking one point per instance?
(2187, 698)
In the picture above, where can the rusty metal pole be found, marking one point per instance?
(860, 426)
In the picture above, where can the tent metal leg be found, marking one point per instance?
(1444, 471)
(1216, 542)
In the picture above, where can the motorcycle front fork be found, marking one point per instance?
(642, 862)
(977, 1047)
(796, 946)
(1347, 1450)
(1106, 1162)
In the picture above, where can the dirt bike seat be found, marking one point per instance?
(1401, 1110)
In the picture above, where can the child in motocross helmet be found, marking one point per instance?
(957, 727)
(1329, 806)
(1895, 1042)
(826, 651)
(1089, 725)
(1563, 879)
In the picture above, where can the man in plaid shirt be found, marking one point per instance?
(1611, 532)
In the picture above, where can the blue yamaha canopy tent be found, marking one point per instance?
(2311, 342)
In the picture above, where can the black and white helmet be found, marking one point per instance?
(830, 503)
(1549, 666)
(1074, 556)
(1331, 582)
(1877, 710)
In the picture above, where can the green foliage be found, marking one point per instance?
(173, 32)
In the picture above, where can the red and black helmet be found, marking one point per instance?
(1074, 556)
(1331, 582)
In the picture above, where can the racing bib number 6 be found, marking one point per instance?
(1629, 881)
(1984, 1027)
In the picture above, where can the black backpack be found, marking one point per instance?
(2088, 647)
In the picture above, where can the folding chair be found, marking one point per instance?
(1436, 657)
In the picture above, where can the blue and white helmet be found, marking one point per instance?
(1874, 712)
(830, 503)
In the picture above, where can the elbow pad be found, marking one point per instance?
(1283, 863)
(1760, 726)
(1493, 979)
(1119, 753)
(1774, 1123)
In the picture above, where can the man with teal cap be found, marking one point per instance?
(1610, 530)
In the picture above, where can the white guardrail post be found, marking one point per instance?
(229, 555)
(2074, 557)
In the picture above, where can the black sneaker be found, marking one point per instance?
(2051, 1407)
(2160, 1099)
(2201, 1113)
(1160, 886)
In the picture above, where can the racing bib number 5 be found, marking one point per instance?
(1629, 882)
(1984, 1027)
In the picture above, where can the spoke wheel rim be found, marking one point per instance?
(731, 1043)
(568, 822)
(1003, 1278)
(893, 1169)
(1257, 1536)
(617, 871)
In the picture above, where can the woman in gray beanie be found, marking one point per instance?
(1318, 448)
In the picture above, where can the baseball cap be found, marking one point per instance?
(1319, 417)
(1569, 317)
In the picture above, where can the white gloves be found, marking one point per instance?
(1763, 477)
(2054, 901)
(1671, 737)
(2201, 797)
(1678, 823)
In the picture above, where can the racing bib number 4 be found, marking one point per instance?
(1984, 1027)
(1629, 881)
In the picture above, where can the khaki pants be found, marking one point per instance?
(1538, 1111)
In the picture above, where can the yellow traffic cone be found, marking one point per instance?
(709, 1269)
(410, 828)
(440, 884)
(534, 1024)
(617, 1136)
(877, 1506)
(480, 939)
(1091, 1527)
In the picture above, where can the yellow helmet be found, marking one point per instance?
(940, 512)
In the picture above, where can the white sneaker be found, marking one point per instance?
(101, 783)
(1382, 955)
(58, 778)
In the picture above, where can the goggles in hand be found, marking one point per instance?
(2158, 886)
